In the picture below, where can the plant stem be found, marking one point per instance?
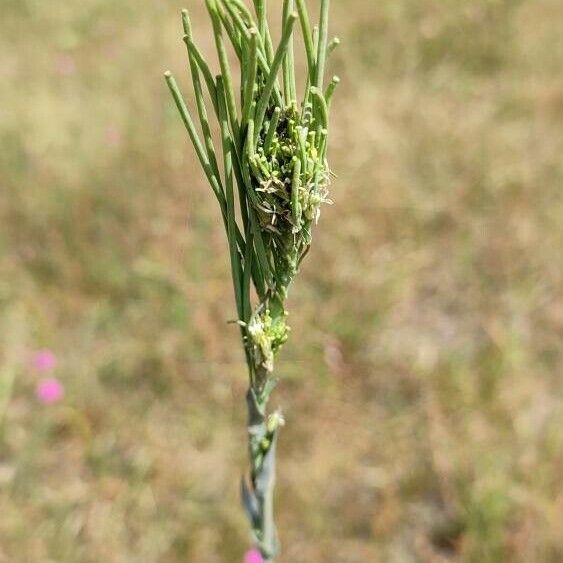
(274, 157)
(258, 495)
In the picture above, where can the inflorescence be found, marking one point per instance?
(274, 148)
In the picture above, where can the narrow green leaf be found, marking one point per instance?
(263, 62)
(236, 266)
(204, 68)
(262, 14)
(330, 90)
(186, 23)
(250, 85)
(321, 107)
(272, 128)
(265, 98)
(289, 59)
(307, 36)
(311, 78)
(198, 91)
(260, 246)
(233, 34)
(248, 263)
(188, 122)
(224, 64)
(302, 139)
(322, 47)
(335, 42)
(245, 12)
(214, 181)
(295, 187)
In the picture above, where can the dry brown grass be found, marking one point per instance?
(422, 383)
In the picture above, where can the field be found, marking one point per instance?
(422, 384)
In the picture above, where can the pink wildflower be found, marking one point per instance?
(50, 391)
(65, 65)
(253, 556)
(44, 361)
(113, 136)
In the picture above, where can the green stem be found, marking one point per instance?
(258, 495)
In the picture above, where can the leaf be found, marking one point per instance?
(256, 411)
(271, 384)
(266, 478)
(250, 503)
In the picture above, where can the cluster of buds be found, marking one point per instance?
(267, 335)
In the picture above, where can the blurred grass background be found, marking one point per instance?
(422, 385)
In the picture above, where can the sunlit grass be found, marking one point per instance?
(426, 375)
